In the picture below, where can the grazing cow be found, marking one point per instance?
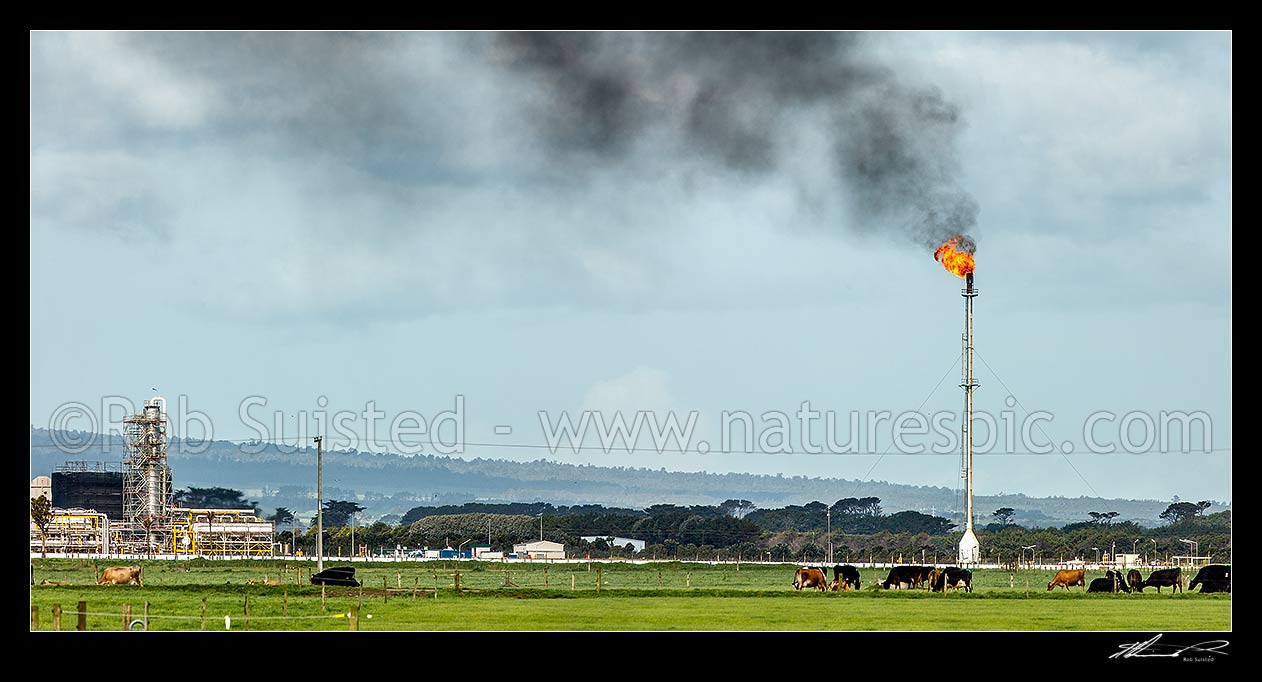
(806, 578)
(933, 577)
(952, 578)
(1068, 579)
(1212, 578)
(903, 577)
(920, 575)
(121, 575)
(1166, 577)
(1119, 581)
(1111, 582)
(1134, 581)
(847, 576)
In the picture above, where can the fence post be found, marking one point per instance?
(354, 618)
(126, 616)
(82, 623)
(385, 591)
(34, 618)
(147, 616)
(546, 584)
(203, 613)
(284, 607)
(415, 582)
(322, 609)
(457, 575)
(571, 582)
(398, 579)
(56, 617)
(597, 578)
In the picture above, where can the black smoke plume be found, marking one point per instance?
(722, 96)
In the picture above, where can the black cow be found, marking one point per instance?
(1134, 581)
(846, 575)
(1212, 578)
(1100, 585)
(922, 575)
(953, 578)
(1111, 582)
(907, 576)
(902, 577)
(1166, 577)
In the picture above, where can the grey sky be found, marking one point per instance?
(390, 217)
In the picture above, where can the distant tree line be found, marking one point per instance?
(860, 531)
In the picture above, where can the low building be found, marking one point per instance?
(1124, 560)
(617, 541)
(540, 549)
(42, 486)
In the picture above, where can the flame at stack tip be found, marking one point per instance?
(956, 255)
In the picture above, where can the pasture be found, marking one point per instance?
(659, 596)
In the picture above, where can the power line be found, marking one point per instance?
(1040, 426)
(922, 404)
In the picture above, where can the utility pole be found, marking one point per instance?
(828, 514)
(319, 503)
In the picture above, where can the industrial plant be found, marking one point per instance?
(128, 507)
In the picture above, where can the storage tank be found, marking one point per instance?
(99, 490)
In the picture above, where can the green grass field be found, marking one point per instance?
(666, 596)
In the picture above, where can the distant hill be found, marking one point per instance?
(393, 484)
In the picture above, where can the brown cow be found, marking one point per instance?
(838, 585)
(121, 575)
(1068, 579)
(810, 577)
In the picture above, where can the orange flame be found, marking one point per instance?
(956, 255)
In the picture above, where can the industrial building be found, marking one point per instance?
(128, 507)
(74, 531)
(220, 532)
(540, 549)
(42, 486)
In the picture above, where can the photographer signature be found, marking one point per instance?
(1151, 649)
